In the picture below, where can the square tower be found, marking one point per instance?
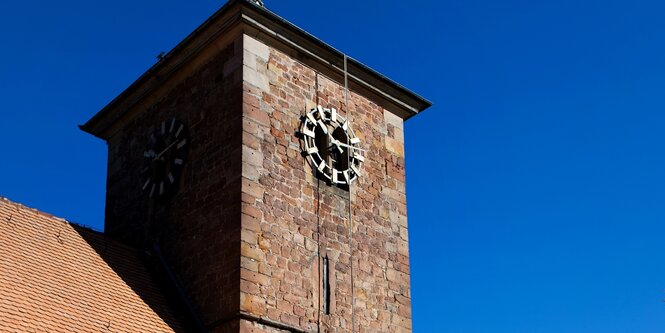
(267, 169)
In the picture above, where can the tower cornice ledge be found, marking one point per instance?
(243, 17)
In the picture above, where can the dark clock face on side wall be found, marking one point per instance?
(164, 156)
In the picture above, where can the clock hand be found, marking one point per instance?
(335, 142)
(352, 147)
(165, 150)
(338, 143)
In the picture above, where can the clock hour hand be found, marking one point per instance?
(335, 142)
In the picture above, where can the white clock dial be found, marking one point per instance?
(331, 146)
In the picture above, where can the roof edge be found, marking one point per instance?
(19, 206)
(400, 100)
(267, 26)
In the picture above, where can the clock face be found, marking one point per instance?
(164, 157)
(331, 146)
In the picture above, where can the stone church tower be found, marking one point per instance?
(208, 168)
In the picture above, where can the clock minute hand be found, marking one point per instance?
(165, 150)
(338, 143)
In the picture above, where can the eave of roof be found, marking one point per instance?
(267, 25)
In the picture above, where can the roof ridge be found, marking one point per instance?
(80, 226)
(20, 206)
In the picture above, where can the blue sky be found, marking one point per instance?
(535, 183)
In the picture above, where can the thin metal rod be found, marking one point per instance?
(348, 156)
(318, 222)
(180, 291)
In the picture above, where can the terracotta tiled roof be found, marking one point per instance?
(59, 277)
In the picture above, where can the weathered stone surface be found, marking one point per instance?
(393, 119)
(394, 146)
(255, 47)
(250, 222)
(198, 227)
(305, 219)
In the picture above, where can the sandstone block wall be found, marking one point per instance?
(290, 219)
(250, 222)
(197, 228)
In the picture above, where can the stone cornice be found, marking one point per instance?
(273, 30)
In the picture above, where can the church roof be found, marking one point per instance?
(275, 31)
(56, 276)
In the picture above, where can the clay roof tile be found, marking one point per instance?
(56, 276)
